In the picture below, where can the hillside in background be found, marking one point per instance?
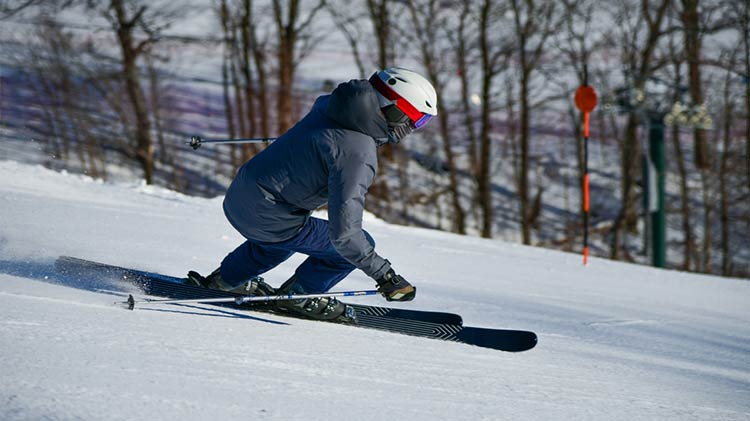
(616, 341)
(63, 106)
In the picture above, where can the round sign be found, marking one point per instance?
(585, 99)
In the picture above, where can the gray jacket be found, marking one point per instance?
(328, 156)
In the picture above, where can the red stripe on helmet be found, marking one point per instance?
(412, 112)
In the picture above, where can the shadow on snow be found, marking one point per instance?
(46, 272)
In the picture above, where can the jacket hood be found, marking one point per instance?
(354, 105)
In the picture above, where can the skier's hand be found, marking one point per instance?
(395, 288)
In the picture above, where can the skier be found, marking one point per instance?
(327, 157)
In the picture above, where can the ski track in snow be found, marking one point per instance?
(616, 341)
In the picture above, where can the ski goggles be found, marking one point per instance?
(417, 117)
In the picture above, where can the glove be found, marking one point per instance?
(395, 288)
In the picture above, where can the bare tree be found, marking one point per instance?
(293, 28)
(349, 21)
(381, 13)
(744, 29)
(534, 23)
(246, 67)
(693, 40)
(429, 20)
(381, 16)
(493, 57)
(728, 114)
(465, 55)
(739, 13)
(10, 8)
(259, 47)
(638, 56)
(676, 57)
(65, 97)
(228, 47)
(126, 17)
(699, 20)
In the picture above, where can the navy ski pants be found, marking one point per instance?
(320, 272)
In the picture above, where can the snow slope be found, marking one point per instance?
(617, 341)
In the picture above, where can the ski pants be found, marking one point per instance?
(320, 272)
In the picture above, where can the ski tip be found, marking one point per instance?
(131, 302)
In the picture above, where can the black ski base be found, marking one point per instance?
(435, 325)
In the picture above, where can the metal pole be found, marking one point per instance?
(659, 217)
(196, 141)
(242, 299)
(585, 188)
(585, 100)
(646, 174)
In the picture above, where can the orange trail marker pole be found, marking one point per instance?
(585, 99)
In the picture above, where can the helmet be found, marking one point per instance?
(411, 93)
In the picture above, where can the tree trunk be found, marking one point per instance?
(246, 66)
(728, 116)
(726, 256)
(154, 91)
(287, 37)
(379, 11)
(423, 18)
(459, 215)
(523, 182)
(259, 57)
(225, 60)
(630, 152)
(707, 216)
(691, 24)
(381, 22)
(687, 227)
(144, 146)
(745, 30)
(537, 22)
(461, 54)
(239, 103)
(484, 180)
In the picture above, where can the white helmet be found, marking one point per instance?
(409, 91)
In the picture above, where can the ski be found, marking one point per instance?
(429, 324)
(172, 287)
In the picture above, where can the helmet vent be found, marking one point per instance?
(428, 104)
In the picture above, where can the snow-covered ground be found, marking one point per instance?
(616, 341)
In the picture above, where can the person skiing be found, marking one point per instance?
(330, 156)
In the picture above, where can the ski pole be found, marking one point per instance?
(242, 299)
(196, 141)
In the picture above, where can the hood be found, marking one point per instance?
(354, 105)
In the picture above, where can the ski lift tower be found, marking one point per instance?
(653, 100)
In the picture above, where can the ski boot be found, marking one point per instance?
(253, 286)
(318, 308)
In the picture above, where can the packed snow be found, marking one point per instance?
(616, 341)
